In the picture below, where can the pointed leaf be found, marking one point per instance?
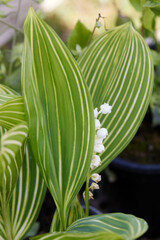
(118, 69)
(59, 111)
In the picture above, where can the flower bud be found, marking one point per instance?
(90, 195)
(97, 124)
(94, 186)
(102, 133)
(105, 108)
(96, 177)
(96, 161)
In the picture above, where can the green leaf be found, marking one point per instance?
(118, 69)
(14, 80)
(11, 111)
(79, 36)
(11, 156)
(77, 235)
(127, 226)
(28, 194)
(148, 19)
(105, 226)
(27, 197)
(156, 57)
(59, 112)
(6, 90)
(154, 5)
(136, 4)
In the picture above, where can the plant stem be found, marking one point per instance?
(87, 196)
(99, 16)
(14, 38)
(10, 26)
(6, 218)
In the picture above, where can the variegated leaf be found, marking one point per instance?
(11, 111)
(119, 70)
(59, 112)
(27, 197)
(127, 226)
(11, 156)
(79, 236)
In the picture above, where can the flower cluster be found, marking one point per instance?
(101, 134)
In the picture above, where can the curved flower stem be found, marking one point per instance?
(87, 196)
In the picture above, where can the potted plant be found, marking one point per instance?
(52, 134)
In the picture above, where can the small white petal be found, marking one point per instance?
(90, 195)
(94, 186)
(96, 177)
(99, 148)
(102, 133)
(98, 140)
(96, 112)
(97, 124)
(96, 162)
(105, 108)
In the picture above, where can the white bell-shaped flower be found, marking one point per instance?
(102, 133)
(96, 112)
(99, 148)
(96, 177)
(105, 108)
(96, 162)
(90, 195)
(97, 124)
(94, 186)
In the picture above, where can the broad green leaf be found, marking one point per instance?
(148, 19)
(75, 212)
(118, 69)
(77, 235)
(28, 194)
(11, 156)
(11, 111)
(127, 226)
(80, 35)
(154, 5)
(59, 112)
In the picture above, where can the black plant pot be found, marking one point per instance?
(136, 191)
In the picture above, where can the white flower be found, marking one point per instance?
(96, 112)
(105, 108)
(98, 140)
(98, 148)
(97, 124)
(96, 161)
(94, 186)
(102, 133)
(90, 195)
(96, 177)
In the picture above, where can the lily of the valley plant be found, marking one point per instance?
(72, 120)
